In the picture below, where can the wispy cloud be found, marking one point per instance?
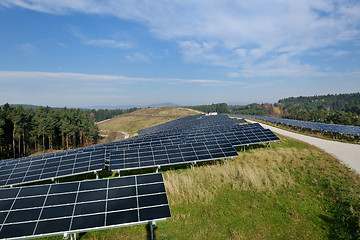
(109, 43)
(27, 48)
(136, 57)
(71, 78)
(298, 25)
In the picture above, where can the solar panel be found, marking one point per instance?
(169, 155)
(26, 170)
(55, 209)
(342, 129)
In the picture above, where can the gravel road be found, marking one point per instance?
(349, 154)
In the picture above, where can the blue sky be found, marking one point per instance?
(111, 52)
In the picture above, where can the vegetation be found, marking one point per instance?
(96, 114)
(218, 107)
(103, 114)
(332, 108)
(142, 118)
(25, 131)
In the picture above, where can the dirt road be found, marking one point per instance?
(349, 154)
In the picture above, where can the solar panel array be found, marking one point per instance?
(55, 209)
(197, 129)
(170, 155)
(342, 129)
(50, 166)
(192, 122)
(46, 210)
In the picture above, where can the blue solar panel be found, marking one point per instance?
(342, 129)
(55, 209)
(50, 166)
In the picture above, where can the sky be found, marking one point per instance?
(112, 52)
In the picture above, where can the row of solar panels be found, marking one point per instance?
(342, 129)
(91, 205)
(46, 210)
(19, 171)
(191, 123)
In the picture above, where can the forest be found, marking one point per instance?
(332, 108)
(102, 114)
(215, 107)
(96, 114)
(41, 129)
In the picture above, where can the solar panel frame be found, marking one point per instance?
(45, 210)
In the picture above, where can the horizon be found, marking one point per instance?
(106, 53)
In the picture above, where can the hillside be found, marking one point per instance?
(143, 118)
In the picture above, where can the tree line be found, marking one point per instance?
(215, 107)
(25, 131)
(332, 108)
(102, 114)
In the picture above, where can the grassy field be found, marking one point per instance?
(143, 118)
(291, 191)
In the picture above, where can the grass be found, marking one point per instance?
(143, 118)
(291, 191)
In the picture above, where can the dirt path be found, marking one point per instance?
(126, 135)
(349, 154)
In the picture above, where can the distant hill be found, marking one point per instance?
(143, 118)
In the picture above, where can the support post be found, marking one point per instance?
(66, 236)
(96, 174)
(152, 226)
(119, 172)
(157, 169)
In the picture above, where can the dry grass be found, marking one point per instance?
(265, 170)
(143, 118)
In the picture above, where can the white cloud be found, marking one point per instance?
(15, 77)
(233, 74)
(136, 57)
(232, 34)
(108, 43)
(27, 48)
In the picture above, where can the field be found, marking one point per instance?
(142, 118)
(291, 191)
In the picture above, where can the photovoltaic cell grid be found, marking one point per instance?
(342, 129)
(207, 129)
(170, 155)
(239, 137)
(165, 138)
(25, 170)
(192, 122)
(46, 210)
